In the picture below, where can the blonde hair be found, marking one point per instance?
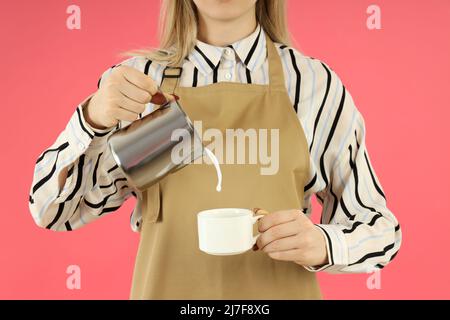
(178, 29)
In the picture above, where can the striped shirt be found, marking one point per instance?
(362, 233)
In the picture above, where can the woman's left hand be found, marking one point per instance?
(289, 235)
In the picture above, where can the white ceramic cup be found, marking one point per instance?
(226, 231)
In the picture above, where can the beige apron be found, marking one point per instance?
(169, 264)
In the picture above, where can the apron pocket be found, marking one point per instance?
(151, 204)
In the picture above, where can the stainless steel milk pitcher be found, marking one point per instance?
(143, 149)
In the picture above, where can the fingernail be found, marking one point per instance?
(158, 98)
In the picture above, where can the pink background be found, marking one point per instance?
(398, 76)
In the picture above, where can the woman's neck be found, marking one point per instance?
(225, 32)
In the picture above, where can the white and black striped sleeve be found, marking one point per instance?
(362, 233)
(94, 186)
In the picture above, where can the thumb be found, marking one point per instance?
(171, 96)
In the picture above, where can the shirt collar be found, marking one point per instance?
(251, 50)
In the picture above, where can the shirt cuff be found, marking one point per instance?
(96, 132)
(80, 134)
(337, 249)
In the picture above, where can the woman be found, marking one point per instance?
(232, 67)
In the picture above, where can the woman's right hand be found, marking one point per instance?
(122, 96)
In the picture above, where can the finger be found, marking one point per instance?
(259, 211)
(276, 218)
(288, 255)
(134, 93)
(141, 80)
(280, 231)
(284, 244)
(131, 105)
(171, 97)
(124, 114)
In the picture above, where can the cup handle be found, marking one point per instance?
(254, 220)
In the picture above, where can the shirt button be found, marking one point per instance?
(81, 145)
(228, 51)
(228, 76)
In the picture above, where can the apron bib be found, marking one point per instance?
(169, 263)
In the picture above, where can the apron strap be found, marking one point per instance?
(276, 75)
(170, 77)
